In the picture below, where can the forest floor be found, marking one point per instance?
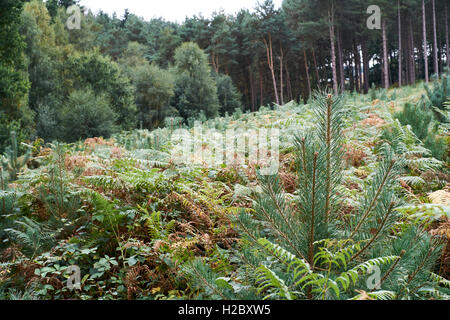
(124, 212)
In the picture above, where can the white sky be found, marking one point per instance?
(171, 10)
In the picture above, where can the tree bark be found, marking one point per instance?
(269, 52)
(261, 85)
(400, 73)
(425, 44)
(308, 81)
(446, 36)
(351, 72)
(281, 75)
(358, 79)
(333, 48)
(215, 62)
(341, 62)
(407, 53)
(435, 47)
(252, 88)
(315, 67)
(288, 79)
(365, 64)
(385, 57)
(412, 54)
(361, 80)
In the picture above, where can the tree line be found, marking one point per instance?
(120, 73)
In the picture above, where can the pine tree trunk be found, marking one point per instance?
(400, 74)
(407, 51)
(425, 44)
(435, 47)
(365, 65)
(333, 49)
(269, 51)
(288, 79)
(446, 36)
(412, 54)
(281, 75)
(308, 81)
(261, 85)
(252, 88)
(385, 57)
(315, 67)
(361, 80)
(341, 62)
(440, 51)
(357, 67)
(351, 72)
(355, 57)
(215, 62)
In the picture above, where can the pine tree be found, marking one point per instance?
(307, 249)
(13, 163)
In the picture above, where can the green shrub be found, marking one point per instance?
(438, 95)
(417, 117)
(12, 163)
(47, 123)
(104, 77)
(86, 115)
(154, 89)
(195, 89)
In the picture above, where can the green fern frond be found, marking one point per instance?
(268, 281)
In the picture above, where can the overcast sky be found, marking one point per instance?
(171, 10)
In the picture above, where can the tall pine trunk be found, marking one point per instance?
(435, 47)
(407, 53)
(412, 66)
(315, 67)
(385, 57)
(357, 67)
(288, 79)
(425, 44)
(400, 73)
(281, 75)
(252, 88)
(308, 81)
(333, 48)
(341, 62)
(351, 72)
(269, 51)
(446, 36)
(261, 85)
(365, 64)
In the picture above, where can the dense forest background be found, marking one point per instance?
(120, 73)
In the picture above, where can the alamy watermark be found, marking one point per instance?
(74, 281)
(374, 280)
(74, 20)
(374, 21)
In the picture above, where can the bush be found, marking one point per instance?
(6, 127)
(105, 77)
(438, 96)
(86, 115)
(195, 89)
(154, 89)
(418, 117)
(47, 123)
